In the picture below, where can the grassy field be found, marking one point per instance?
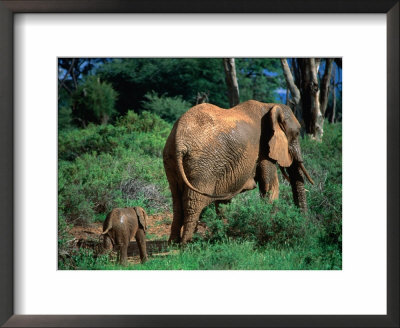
(107, 166)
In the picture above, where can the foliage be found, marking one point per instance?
(64, 118)
(145, 122)
(83, 259)
(133, 78)
(93, 101)
(168, 108)
(166, 86)
(102, 167)
(278, 223)
(259, 78)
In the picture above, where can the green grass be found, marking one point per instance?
(226, 255)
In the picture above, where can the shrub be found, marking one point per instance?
(82, 259)
(144, 122)
(168, 108)
(138, 189)
(64, 117)
(278, 223)
(144, 134)
(94, 101)
(252, 218)
(97, 139)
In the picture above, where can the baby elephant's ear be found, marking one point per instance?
(142, 216)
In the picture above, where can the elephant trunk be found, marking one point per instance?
(297, 184)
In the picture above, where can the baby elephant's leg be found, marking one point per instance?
(141, 241)
(124, 253)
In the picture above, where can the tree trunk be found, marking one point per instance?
(309, 90)
(202, 97)
(104, 118)
(291, 85)
(231, 81)
(287, 97)
(330, 111)
(325, 85)
(333, 103)
(309, 98)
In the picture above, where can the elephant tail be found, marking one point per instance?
(179, 159)
(106, 231)
(107, 224)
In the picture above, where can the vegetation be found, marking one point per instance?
(118, 162)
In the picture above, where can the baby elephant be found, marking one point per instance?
(120, 226)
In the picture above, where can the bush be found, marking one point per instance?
(64, 117)
(97, 139)
(94, 101)
(144, 122)
(144, 134)
(82, 259)
(251, 218)
(168, 108)
(150, 193)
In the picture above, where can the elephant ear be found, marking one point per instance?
(278, 145)
(142, 217)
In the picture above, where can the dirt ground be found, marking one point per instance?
(159, 226)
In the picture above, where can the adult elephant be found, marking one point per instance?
(212, 154)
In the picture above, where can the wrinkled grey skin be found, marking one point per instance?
(212, 154)
(120, 226)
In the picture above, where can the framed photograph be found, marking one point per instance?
(97, 132)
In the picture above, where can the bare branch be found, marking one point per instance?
(62, 84)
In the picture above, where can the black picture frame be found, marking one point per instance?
(10, 7)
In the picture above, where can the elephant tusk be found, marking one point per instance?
(306, 173)
(284, 173)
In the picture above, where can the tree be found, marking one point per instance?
(308, 93)
(259, 78)
(231, 81)
(94, 101)
(71, 72)
(133, 78)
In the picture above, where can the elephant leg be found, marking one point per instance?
(124, 253)
(177, 221)
(141, 241)
(267, 177)
(194, 205)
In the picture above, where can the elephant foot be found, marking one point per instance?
(144, 259)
